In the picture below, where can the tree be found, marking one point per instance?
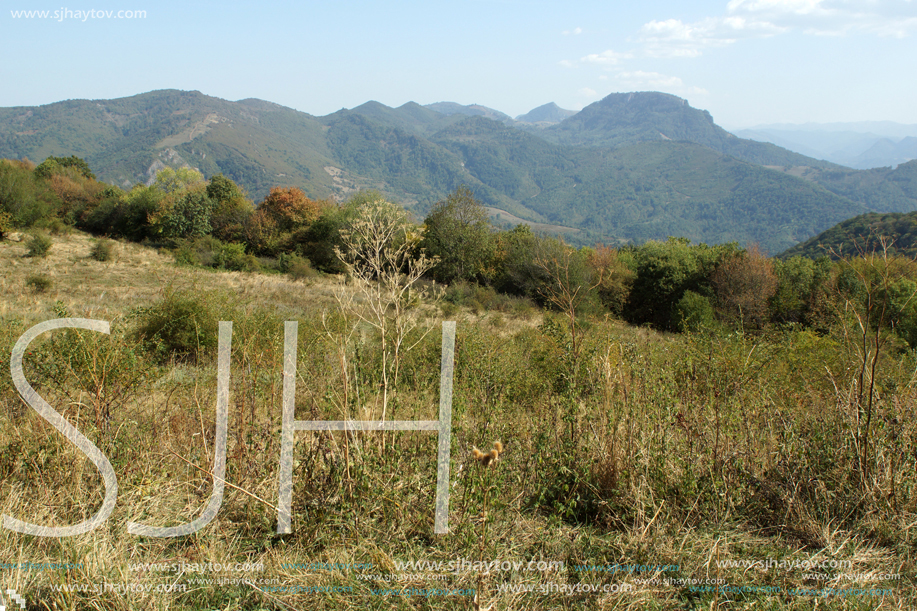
(664, 271)
(53, 165)
(614, 270)
(515, 271)
(186, 215)
(382, 254)
(23, 197)
(285, 211)
(459, 233)
(568, 280)
(289, 208)
(231, 209)
(171, 181)
(801, 287)
(744, 283)
(222, 190)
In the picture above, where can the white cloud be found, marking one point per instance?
(674, 38)
(574, 31)
(587, 92)
(763, 18)
(605, 58)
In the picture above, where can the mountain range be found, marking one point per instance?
(628, 168)
(861, 145)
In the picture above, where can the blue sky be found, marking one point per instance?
(746, 61)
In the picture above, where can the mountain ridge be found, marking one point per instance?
(633, 186)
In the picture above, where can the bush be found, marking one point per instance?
(103, 250)
(6, 223)
(478, 298)
(39, 283)
(25, 198)
(232, 256)
(182, 325)
(57, 227)
(297, 267)
(39, 245)
(694, 312)
(202, 251)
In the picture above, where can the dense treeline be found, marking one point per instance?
(673, 285)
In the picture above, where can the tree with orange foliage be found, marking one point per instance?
(289, 208)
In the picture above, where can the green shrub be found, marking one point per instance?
(39, 245)
(301, 270)
(694, 312)
(201, 251)
(478, 298)
(6, 223)
(103, 250)
(296, 266)
(39, 283)
(448, 309)
(232, 256)
(57, 227)
(183, 325)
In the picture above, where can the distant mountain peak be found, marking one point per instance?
(474, 110)
(549, 113)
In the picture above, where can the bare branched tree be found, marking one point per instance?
(385, 264)
(568, 281)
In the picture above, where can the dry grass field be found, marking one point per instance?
(643, 471)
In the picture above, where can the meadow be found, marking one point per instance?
(715, 469)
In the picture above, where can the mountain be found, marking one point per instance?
(862, 145)
(127, 140)
(471, 110)
(545, 115)
(410, 116)
(887, 152)
(605, 174)
(878, 189)
(621, 119)
(646, 191)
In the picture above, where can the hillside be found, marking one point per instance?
(643, 449)
(879, 189)
(128, 140)
(646, 191)
(626, 169)
(864, 233)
